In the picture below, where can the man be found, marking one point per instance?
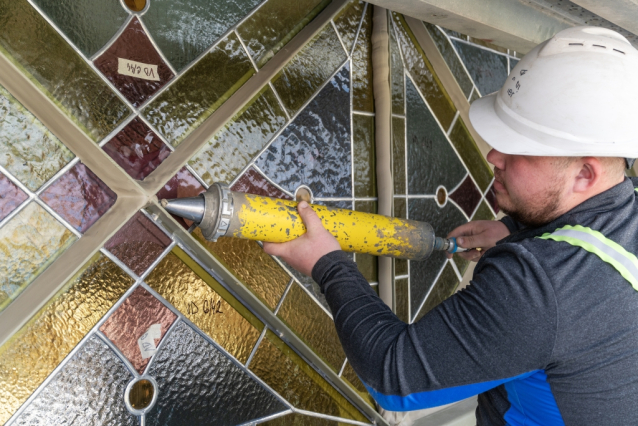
(547, 331)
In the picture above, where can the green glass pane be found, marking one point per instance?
(401, 291)
(364, 156)
(347, 22)
(444, 287)
(451, 58)
(29, 243)
(423, 73)
(461, 264)
(396, 75)
(274, 24)
(28, 149)
(184, 29)
(472, 157)
(400, 267)
(367, 264)
(200, 91)
(52, 64)
(362, 96)
(488, 69)
(89, 24)
(309, 69)
(227, 153)
(398, 155)
(483, 213)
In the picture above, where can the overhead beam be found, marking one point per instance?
(623, 13)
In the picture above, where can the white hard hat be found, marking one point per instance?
(574, 95)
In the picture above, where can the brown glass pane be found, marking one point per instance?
(52, 64)
(274, 24)
(444, 287)
(248, 262)
(29, 243)
(138, 243)
(309, 69)
(284, 371)
(137, 149)
(402, 291)
(10, 196)
(141, 313)
(490, 196)
(135, 5)
(423, 73)
(28, 150)
(182, 185)
(254, 182)
(362, 96)
(232, 148)
(141, 394)
(33, 352)
(347, 22)
(310, 322)
(398, 155)
(467, 196)
(200, 91)
(206, 303)
(300, 420)
(79, 197)
(133, 65)
(483, 213)
(364, 156)
(396, 74)
(472, 157)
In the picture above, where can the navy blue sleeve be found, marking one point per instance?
(500, 328)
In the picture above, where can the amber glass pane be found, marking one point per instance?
(248, 262)
(445, 287)
(423, 73)
(200, 91)
(182, 185)
(347, 22)
(284, 371)
(300, 420)
(253, 182)
(135, 5)
(310, 322)
(206, 303)
(41, 344)
(472, 157)
(10, 196)
(351, 377)
(28, 150)
(466, 196)
(275, 23)
(401, 291)
(365, 184)
(309, 69)
(29, 243)
(396, 74)
(483, 213)
(58, 70)
(141, 394)
(89, 24)
(362, 96)
(398, 155)
(80, 197)
(228, 152)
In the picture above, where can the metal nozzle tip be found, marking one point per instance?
(188, 208)
(164, 202)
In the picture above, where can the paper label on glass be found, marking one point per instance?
(147, 341)
(137, 69)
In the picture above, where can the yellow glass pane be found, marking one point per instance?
(362, 97)
(29, 243)
(353, 380)
(248, 262)
(284, 371)
(347, 22)
(42, 343)
(206, 303)
(310, 322)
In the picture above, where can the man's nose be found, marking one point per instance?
(496, 158)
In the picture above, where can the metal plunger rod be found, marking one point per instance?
(221, 212)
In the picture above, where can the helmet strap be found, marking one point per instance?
(630, 162)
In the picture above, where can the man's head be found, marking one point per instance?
(536, 190)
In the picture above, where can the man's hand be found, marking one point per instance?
(302, 253)
(481, 234)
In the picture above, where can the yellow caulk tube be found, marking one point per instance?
(221, 212)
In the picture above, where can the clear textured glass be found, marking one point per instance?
(184, 29)
(364, 156)
(488, 69)
(200, 91)
(10, 196)
(444, 287)
(314, 149)
(33, 352)
(198, 384)
(347, 22)
(227, 153)
(52, 64)
(28, 150)
(29, 243)
(472, 157)
(362, 96)
(274, 24)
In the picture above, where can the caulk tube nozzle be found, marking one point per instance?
(188, 208)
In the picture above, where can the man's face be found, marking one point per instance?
(529, 189)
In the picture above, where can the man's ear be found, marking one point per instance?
(587, 177)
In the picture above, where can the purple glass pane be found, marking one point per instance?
(137, 149)
(254, 182)
(467, 196)
(10, 196)
(80, 197)
(182, 185)
(490, 196)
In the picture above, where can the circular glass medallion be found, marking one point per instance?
(136, 5)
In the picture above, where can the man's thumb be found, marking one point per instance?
(309, 217)
(466, 241)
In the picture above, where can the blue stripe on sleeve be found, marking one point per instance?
(532, 402)
(428, 399)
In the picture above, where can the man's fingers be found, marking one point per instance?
(310, 218)
(274, 249)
